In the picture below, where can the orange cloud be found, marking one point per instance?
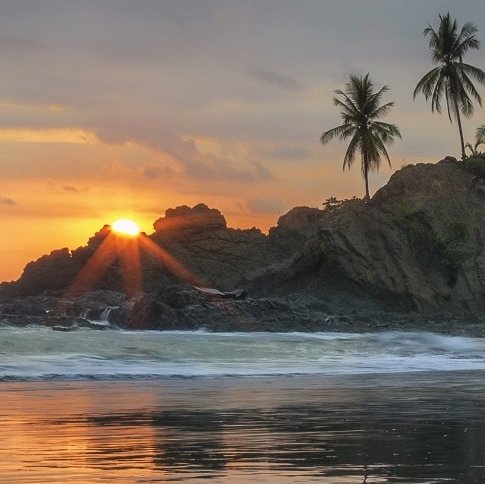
(57, 135)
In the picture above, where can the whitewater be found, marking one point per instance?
(39, 353)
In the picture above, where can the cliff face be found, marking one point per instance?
(419, 245)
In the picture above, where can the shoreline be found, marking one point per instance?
(280, 384)
(377, 322)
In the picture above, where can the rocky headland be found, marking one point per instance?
(412, 258)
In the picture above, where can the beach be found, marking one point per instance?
(414, 427)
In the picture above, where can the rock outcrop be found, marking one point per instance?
(216, 255)
(417, 249)
(419, 246)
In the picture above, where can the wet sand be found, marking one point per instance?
(423, 427)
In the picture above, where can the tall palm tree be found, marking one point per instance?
(451, 77)
(361, 109)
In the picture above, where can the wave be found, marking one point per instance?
(37, 353)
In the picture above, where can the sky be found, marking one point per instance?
(116, 108)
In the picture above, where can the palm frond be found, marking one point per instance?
(474, 72)
(427, 83)
(480, 135)
(381, 111)
(349, 157)
(466, 40)
(469, 87)
(340, 132)
(348, 106)
(463, 102)
(438, 90)
(386, 131)
(382, 149)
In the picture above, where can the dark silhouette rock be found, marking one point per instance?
(215, 255)
(293, 229)
(147, 312)
(53, 271)
(415, 253)
(182, 219)
(180, 296)
(299, 219)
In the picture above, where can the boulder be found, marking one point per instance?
(181, 219)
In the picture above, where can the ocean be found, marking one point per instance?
(148, 406)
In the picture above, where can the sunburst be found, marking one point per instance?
(123, 242)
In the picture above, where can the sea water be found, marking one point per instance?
(117, 406)
(38, 353)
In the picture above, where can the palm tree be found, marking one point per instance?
(361, 109)
(474, 148)
(451, 77)
(480, 135)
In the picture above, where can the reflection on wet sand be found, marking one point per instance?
(424, 428)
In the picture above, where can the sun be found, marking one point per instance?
(126, 227)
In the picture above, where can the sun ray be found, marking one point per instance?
(126, 250)
(170, 262)
(102, 258)
(131, 267)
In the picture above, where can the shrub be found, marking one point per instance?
(476, 165)
(331, 203)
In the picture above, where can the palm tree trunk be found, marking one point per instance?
(366, 178)
(460, 129)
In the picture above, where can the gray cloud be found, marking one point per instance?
(192, 162)
(185, 64)
(7, 201)
(273, 78)
(154, 172)
(208, 166)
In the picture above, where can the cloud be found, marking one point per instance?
(51, 135)
(70, 189)
(209, 166)
(266, 205)
(153, 172)
(6, 201)
(192, 161)
(273, 78)
(73, 189)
